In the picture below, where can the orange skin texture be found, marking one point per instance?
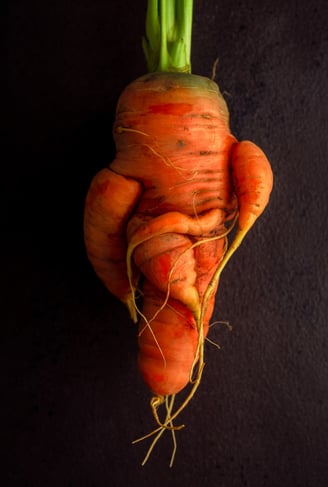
(179, 177)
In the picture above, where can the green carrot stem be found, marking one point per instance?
(167, 43)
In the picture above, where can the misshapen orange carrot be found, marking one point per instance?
(166, 216)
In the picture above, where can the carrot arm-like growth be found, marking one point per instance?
(110, 201)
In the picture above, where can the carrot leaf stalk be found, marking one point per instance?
(167, 44)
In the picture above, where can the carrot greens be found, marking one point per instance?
(167, 44)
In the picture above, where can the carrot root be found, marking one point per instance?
(169, 402)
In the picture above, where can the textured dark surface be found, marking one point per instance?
(71, 396)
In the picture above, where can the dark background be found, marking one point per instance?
(72, 399)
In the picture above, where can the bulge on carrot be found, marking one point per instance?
(158, 221)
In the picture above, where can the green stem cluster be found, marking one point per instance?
(167, 44)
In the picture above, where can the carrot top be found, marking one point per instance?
(167, 43)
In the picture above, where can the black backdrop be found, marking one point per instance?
(71, 395)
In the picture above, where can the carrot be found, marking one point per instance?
(166, 216)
